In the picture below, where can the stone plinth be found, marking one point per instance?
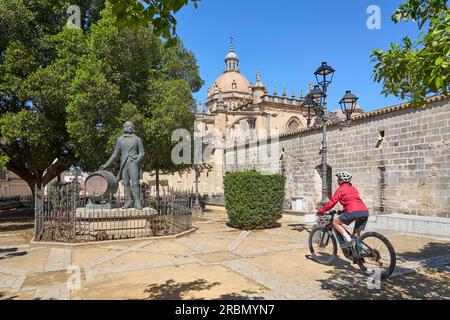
(94, 213)
(119, 223)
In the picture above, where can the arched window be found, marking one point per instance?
(293, 125)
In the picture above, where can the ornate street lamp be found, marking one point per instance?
(324, 75)
(348, 104)
(311, 106)
(319, 96)
(317, 100)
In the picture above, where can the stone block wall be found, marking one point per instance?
(399, 157)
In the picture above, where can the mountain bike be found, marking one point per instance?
(372, 251)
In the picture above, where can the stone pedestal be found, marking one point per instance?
(99, 213)
(117, 223)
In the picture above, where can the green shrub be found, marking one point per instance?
(254, 200)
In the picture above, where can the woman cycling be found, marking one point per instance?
(354, 209)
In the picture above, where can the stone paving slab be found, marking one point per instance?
(218, 262)
(53, 292)
(191, 281)
(58, 259)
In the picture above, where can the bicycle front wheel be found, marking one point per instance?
(322, 245)
(377, 255)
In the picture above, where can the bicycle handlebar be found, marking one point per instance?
(335, 212)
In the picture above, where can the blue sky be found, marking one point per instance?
(286, 40)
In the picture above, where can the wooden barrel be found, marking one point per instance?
(101, 184)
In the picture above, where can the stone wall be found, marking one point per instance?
(399, 157)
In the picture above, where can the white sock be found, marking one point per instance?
(347, 237)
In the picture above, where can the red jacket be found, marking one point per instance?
(349, 197)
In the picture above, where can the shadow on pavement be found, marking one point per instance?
(17, 214)
(172, 290)
(238, 297)
(300, 227)
(430, 250)
(12, 253)
(344, 285)
(16, 227)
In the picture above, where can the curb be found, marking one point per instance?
(96, 243)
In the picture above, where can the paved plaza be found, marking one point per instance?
(214, 262)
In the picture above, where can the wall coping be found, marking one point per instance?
(375, 113)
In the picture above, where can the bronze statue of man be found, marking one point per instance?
(131, 151)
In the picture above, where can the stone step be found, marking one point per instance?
(433, 226)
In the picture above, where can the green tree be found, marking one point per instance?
(159, 13)
(33, 86)
(64, 92)
(138, 79)
(414, 69)
(171, 100)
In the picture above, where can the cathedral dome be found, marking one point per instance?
(231, 81)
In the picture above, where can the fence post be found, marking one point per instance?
(38, 212)
(73, 208)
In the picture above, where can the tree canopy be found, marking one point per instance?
(417, 68)
(65, 93)
(158, 13)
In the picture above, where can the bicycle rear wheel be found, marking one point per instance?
(322, 245)
(377, 255)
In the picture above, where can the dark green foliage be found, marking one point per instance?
(159, 13)
(254, 200)
(415, 69)
(65, 93)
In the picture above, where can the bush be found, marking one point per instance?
(253, 200)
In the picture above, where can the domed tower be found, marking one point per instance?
(235, 89)
(231, 60)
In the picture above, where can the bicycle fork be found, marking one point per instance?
(325, 239)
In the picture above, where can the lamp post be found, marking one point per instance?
(324, 76)
(197, 210)
(198, 146)
(317, 100)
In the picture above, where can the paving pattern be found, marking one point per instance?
(215, 262)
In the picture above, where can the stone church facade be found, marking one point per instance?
(399, 156)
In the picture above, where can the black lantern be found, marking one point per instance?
(319, 97)
(348, 104)
(312, 106)
(324, 75)
(317, 93)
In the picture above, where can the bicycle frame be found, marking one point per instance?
(331, 232)
(358, 253)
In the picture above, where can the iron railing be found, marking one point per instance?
(67, 216)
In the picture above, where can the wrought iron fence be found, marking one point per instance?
(66, 216)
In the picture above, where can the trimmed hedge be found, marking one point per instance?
(253, 200)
